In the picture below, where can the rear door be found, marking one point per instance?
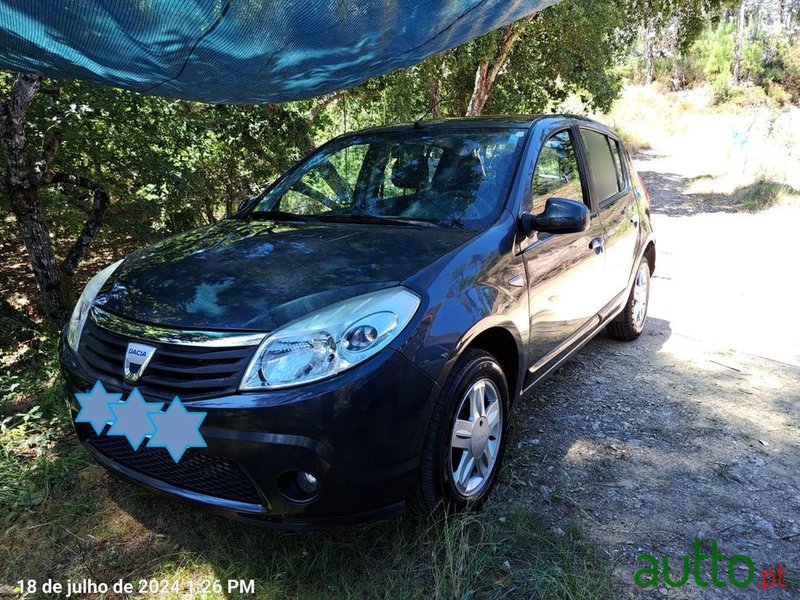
(563, 270)
(616, 203)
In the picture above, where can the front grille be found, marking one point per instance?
(190, 372)
(210, 475)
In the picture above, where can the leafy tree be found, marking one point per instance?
(70, 148)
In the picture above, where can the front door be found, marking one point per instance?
(563, 270)
(616, 202)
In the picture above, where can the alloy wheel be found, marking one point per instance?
(640, 295)
(475, 439)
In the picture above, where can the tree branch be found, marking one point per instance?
(323, 103)
(12, 128)
(100, 202)
(44, 165)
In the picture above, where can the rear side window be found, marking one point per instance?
(605, 171)
(556, 174)
(616, 154)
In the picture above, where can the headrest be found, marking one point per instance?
(410, 173)
(461, 174)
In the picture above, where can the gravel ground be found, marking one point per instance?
(691, 432)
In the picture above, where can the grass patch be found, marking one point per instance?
(126, 534)
(757, 196)
(761, 195)
(36, 452)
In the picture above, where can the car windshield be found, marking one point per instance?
(457, 179)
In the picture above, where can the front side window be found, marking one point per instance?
(556, 174)
(456, 179)
(604, 171)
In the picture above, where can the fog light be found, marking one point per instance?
(307, 482)
(299, 487)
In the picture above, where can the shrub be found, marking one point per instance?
(782, 73)
(778, 94)
(722, 90)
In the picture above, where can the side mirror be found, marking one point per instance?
(560, 216)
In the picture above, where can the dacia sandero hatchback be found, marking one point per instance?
(357, 334)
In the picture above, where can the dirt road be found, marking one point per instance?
(693, 431)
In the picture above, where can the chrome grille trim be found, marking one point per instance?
(166, 335)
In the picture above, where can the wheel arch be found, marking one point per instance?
(650, 255)
(502, 340)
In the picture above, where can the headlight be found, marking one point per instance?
(331, 340)
(81, 311)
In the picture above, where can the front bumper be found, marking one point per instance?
(360, 434)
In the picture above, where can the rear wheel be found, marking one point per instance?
(466, 436)
(631, 321)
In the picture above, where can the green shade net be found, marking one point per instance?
(238, 51)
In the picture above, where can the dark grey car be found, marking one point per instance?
(358, 333)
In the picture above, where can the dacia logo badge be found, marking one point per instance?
(137, 358)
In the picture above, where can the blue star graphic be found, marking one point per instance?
(177, 429)
(133, 418)
(95, 407)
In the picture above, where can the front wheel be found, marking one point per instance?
(630, 323)
(466, 436)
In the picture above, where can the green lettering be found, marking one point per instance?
(750, 569)
(698, 558)
(684, 576)
(714, 558)
(652, 571)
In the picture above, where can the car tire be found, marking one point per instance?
(629, 324)
(447, 481)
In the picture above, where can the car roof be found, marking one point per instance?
(491, 122)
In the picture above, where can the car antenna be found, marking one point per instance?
(434, 106)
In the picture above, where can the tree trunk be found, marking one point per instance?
(435, 96)
(22, 189)
(480, 91)
(737, 54)
(23, 180)
(489, 69)
(649, 50)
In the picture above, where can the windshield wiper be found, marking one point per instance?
(356, 218)
(280, 215)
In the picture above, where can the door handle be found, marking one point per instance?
(635, 220)
(597, 245)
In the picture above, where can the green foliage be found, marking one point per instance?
(570, 48)
(781, 74)
(172, 165)
(714, 51)
(167, 164)
(769, 59)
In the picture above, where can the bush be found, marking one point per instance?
(788, 73)
(722, 91)
(778, 94)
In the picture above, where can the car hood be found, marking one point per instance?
(257, 276)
